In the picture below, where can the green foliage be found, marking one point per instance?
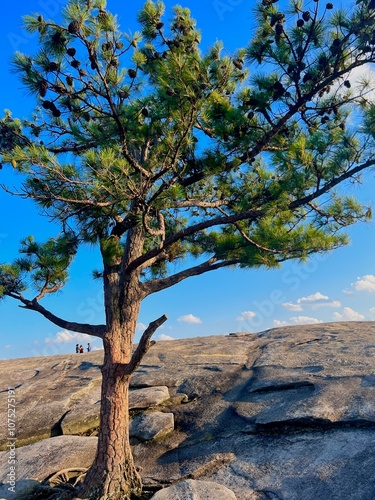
(149, 17)
(111, 250)
(43, 267)
(144, 134)
(47, 263)
(11, 283)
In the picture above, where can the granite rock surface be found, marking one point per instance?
(284, 414)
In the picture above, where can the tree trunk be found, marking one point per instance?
(113, 475)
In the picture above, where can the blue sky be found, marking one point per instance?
(338, 286)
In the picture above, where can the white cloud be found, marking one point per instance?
(292, 307)
(162, 336)
(364, 73)
(296, 320)
(365, 284)
(357, 77)
(246, 316)
(331, 303)
(348, 314)
(372, 310)
(334, 303)
(313, 301)
(189, 318)
(277, 323)
(7, 346)
(141, 327)
(304, 320)
(65, 337)
(312, 298)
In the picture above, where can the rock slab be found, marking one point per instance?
(148, 397)
(40, 460)
(284, 414)
(151, 425)
(195, 490)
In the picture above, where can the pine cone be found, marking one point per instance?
(74, 27)
(58, 38)
(46, 104)
(43, 87)
(59, 89)
(52, 66)
(279, 29)
(306, 16)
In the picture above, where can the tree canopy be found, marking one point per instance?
(177, 162)
(211, 156)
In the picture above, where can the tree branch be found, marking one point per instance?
(200, 203)
(28, 194)
(250, 214)
(330, 184)
(252, 242)
(144, 344)
(163, 283)
(95, 330)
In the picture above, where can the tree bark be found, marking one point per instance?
(113, 475)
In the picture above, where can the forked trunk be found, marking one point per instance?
(113, 475)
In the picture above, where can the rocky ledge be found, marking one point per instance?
(284, 414)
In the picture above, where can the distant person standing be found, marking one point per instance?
(77, 348)
(89, 347)
(81, 349)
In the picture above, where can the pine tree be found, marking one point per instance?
(158, 153)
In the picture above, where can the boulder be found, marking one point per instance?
(151, 425)
(148, 397)
(40, 460)
(195, 490)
